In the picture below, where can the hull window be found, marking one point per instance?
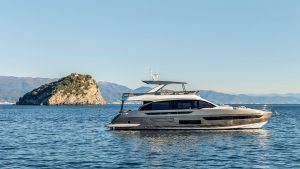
(189, 121)
(232, 117)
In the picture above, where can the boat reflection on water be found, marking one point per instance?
(165, 134)
(157, 139)
(206, 146)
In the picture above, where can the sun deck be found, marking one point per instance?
(160, 82)
(162, 93)
(158, 94)
(154, 98)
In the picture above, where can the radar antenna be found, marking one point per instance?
(155, 76)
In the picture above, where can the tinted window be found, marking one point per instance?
(189, 121)
(177, 104)
(184, 104)
(146, 107)
(165, 105)
(161, 105)
(203, 104)
(232, 117)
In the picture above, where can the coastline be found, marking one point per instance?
(7, 103)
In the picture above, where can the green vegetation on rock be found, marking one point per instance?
(73, 89)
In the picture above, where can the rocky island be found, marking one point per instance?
(75, 89)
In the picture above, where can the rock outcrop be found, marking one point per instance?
(75, 89)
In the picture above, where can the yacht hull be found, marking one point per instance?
(129, 127)
(209, 119)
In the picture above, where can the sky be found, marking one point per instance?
(234, 46)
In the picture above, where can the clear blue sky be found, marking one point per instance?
(249, 46)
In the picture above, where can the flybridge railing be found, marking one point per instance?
(125, 95)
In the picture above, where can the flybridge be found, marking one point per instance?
(157, 92)
(159, 82)
(125, 95)
(162, 84)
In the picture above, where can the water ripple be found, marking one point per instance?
(76, 137)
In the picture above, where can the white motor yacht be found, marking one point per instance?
(165, 109)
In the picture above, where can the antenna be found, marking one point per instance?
(150, 72)
(154, 76)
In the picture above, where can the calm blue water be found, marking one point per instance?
(76, 137)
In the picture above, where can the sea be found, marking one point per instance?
(77, 137)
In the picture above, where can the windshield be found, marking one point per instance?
(131, 106)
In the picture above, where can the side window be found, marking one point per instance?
(176, 104)
(146, 107)
(161, 105)
(184, 104)
(203, 104)
(165, 105)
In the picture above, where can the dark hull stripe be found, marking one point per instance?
(164, 113)
(232, 117)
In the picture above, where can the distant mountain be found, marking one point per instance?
(296, 95)
(142, 89)
(11, 88)
(223, 98)
(112, 92)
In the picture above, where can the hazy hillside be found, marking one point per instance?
(296, 95)
(142, 89)
(112, 92)
(11, 88)
(223, 98)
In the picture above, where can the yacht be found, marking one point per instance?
(183, 110)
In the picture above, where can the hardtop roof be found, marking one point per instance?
(160, 82)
